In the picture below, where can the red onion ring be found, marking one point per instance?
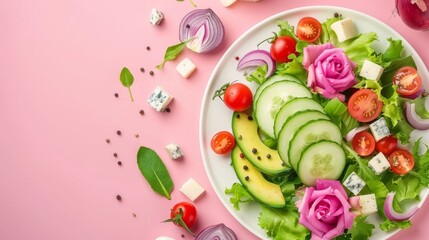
(257, 58)
(217, 232)
(392, 214)
(413, 119)
(205, 27)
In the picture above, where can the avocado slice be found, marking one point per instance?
(252, 179)
(245, 131)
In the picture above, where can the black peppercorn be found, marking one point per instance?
(268, 156)
(119, 163)
(245, 167)
(247, 178)
(168, 110)
(108, 140)
(151, 73)
(250, 118)
(142, 70)
(148, 48)
(118, 197)
(116, 95)
(237, 116)
(115, 155)
(259, 157)
(119, 133)
(141, 112)
(254, 150)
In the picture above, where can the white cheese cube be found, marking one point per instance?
(156, 16)
(159, 99)
(227, 3)
(192, 189)
(371, 70)
(354, 183)
(368, 204)
(174, 151)
(379, 163)
(379, 129)
(186, 67)
(344, 29)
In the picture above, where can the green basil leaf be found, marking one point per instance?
(172, 52)
(155, 172)
(127, 79)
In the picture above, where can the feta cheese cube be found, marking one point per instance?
(379, 163)
(186, 67)
(174, 151)
(192, 189)
(156, 16)
(344, 29)
(227, 3)
(371, 70)
(363, 204)
(159, 99)
(354, 183)
(379, 129)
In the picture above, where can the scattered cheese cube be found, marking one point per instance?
(186, 67)
(379, 129)
(371, 70)
(174, 151)
(379, 163)
(344, 29)
(156, 16)
(227, 3)
(354, 183)
(192, 189)
(159, 99)
(366, 204)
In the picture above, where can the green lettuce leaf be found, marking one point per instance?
(286, 29)
(361, 230)
(420, 107)
(239, 195)
(338, 113)
(258, 75)
(294, 68)
(394, 50)
(388, 225)
(327, 32)
(282, 223)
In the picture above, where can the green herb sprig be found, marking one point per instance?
(172, 52)
(127, 79)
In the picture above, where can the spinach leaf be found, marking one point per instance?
(172, 52)
(127, 79)
(155, 172)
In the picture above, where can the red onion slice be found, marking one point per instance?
(257, 58)
(413, 119)
(217, 232)
(392, 214)
(414, 13)
(204, 27)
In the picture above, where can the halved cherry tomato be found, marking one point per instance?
(363, 143)
(386, 145)
(364, 105)
(282, 47)
(308, 29)
(401, 161)
(408, 81)
(238, 97)
(223, 142)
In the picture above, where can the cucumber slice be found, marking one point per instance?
(293, 106)
(293, 123)
(271, 80)
(272, 98)
(321, 160)
(310, 132)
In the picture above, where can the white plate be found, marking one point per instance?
(215, 116)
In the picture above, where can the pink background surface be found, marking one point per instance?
(59, 68)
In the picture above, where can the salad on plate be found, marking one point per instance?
(322, 142)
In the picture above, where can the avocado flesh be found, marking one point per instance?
(252, 179)
(265, 159)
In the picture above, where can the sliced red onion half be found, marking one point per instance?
(205, 29)
(258, 58)
(217, 232)
(349, 136)
(413, 119)
(392, 214)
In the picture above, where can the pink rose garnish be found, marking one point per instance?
(325, 211)
(330, 71)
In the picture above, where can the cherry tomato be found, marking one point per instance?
(223, 142)
(364, 105)
(386, 145)
(363, 143)
(238, 97)
(308, 29)
(282, 47)
(183, 213)
(408, 81)
(401, 161)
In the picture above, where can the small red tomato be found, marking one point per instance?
(364, 105)
(185, 212)
(408, 81)
(238, 97)
(386, 145)
(223, 142)
(401, 161)
(308, 29)
(282, 47)
(363, 143)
